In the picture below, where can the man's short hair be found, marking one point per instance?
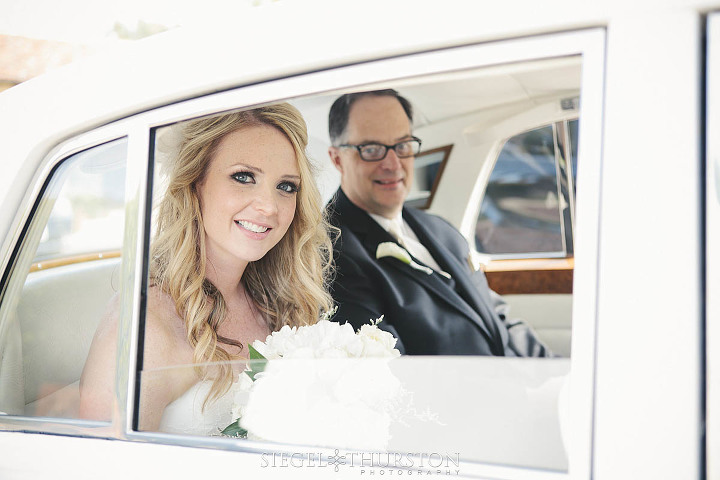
(340, 111)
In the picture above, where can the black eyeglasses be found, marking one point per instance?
(374, 152)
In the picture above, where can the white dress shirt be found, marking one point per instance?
(399, 229)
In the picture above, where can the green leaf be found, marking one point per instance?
(258, 363)
(235, 430)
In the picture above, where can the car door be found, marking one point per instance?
(486, 393)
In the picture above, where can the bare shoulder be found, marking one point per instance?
(107, 327)
(96, 382)
(104, 341)
(165, 345)
(166, 341)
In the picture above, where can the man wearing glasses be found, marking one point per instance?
(399, 262)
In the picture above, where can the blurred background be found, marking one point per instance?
(39, 35)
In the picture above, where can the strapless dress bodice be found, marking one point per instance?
(186, 416)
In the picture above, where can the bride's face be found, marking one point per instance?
(248, 195)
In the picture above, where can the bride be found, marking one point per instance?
(241, 249)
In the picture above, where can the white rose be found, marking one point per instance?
(377, 343)
(327, 340)
(277, 343)
(299, 353)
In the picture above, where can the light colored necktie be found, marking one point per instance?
(414, 247)
(395, 229)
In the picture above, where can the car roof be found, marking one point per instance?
(277, 40)
(273, 41)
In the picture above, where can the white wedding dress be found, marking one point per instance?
(185, 415)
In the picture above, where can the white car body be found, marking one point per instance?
(643, 382)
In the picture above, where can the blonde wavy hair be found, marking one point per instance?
(289, 285)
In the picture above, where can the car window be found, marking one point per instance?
(87, 215)
(356, 404)
(424, 418)
(55, 298)
(526, 199)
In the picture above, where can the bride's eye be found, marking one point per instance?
(288, 187)
(243, 177)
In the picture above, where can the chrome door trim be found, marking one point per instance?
(712, 250)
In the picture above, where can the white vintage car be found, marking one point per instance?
(574, 145)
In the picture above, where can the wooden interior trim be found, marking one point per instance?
(531, 276)
(61, 262)
(521, 264)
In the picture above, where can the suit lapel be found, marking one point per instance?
(376, 235)
(372, 234)
(451, 264)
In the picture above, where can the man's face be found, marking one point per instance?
(376, 187)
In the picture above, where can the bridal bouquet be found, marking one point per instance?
(323, 384)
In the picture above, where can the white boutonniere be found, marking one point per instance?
(392, 249)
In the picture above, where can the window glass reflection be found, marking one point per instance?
(88, 213)
(369, 406)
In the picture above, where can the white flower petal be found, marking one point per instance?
(392, 249)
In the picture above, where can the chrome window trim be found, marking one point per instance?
(712, 251)
(570, 171)
(132, 273)
(590, 43)
(55, 425)
(563, 165)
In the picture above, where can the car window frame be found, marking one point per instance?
(711, 353)
(23, 219)
(589, 43)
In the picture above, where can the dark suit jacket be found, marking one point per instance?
(429, 314)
